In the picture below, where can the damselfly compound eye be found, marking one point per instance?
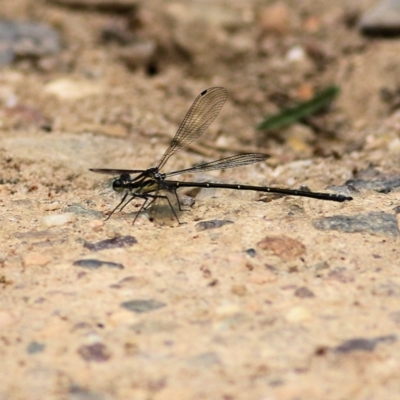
(118, 185)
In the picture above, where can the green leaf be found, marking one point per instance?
(294, 114)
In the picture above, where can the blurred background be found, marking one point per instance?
(294, 299)
(130, 69)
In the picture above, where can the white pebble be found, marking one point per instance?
(296, 54)
(394, 146)
(54, 205)
(298, 314)
(70, 89)
(58, 219)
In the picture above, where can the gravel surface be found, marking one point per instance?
(253, 296)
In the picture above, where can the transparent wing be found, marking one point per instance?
(165, 209)
(201, 114)
(229, 162)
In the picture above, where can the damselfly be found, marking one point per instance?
(150, 184)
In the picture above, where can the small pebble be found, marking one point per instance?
(384, 19)
(364, 344)
(212, 224)
(54, 205)
(341, 274)
(239, 290)
(95, 264)
(26, 39)
(113, 243)
(251, 252)
(35, 259)
(373, 179)
(283, 246)
(298, 314)
(96, 224)
(296, 54)
(378, 223)
(319, 266)
(114, 32)
(57, 219)
(142, 306)
(96, 352)
(78, 209)
(78, 393)
(35, 347)
(70, 89)
(303, 292)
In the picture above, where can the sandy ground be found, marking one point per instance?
(277, 298)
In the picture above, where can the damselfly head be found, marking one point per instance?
(118, 185)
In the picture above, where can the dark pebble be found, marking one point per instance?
(114, 243)
(142, 306)
(383, 20)
(187, 201)
(37, 235)
(396, 210)
(341, 274)
(372, 179)
(96, 352)
(319, 266)
(378, 223)
(364, 344)
(345, 190)
(251, 252)
(213, 224)
(95, 264)
(303, 292)
(78, 209)
(79, 393)
(35, 347)
(19, 39)
(276, 382)
(117, 33)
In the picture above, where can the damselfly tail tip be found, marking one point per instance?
(345, 198)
